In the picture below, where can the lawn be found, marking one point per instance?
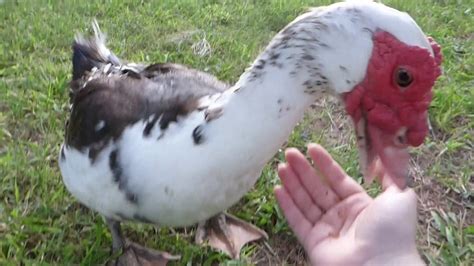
(40, 223)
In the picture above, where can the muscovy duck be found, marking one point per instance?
(172, 146)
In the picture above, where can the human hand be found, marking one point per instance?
(337, 222)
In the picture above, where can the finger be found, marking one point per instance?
(300, 196)
(338, 180)
(321, 194)
(296, 220)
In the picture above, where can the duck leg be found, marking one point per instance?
(133, 254)
(228, 234)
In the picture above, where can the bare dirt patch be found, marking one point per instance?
(280, 250)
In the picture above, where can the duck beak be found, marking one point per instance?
(382, 155)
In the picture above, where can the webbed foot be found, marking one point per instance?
(136, 255)
(228, 234)
(127, 253)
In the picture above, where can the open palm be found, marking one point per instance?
(337, 222)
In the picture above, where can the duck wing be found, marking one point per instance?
(107, 96)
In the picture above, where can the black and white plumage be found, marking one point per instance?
(108, 99)
(173, 146)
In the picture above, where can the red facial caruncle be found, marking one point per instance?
(393, 99)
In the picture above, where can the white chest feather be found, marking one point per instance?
(167, 181)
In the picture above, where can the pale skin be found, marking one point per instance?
(337, 222)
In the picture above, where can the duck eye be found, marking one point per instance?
(403, 77)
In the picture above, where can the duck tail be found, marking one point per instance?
(91, 52)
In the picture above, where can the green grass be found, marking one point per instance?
(40, 223)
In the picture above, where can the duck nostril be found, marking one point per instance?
(401, 139)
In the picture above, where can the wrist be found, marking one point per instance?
(400, 258)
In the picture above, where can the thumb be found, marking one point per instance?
(391, 219)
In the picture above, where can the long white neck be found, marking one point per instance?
(262, 109)
(265, 109)
(302, 61)
(260, 116)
